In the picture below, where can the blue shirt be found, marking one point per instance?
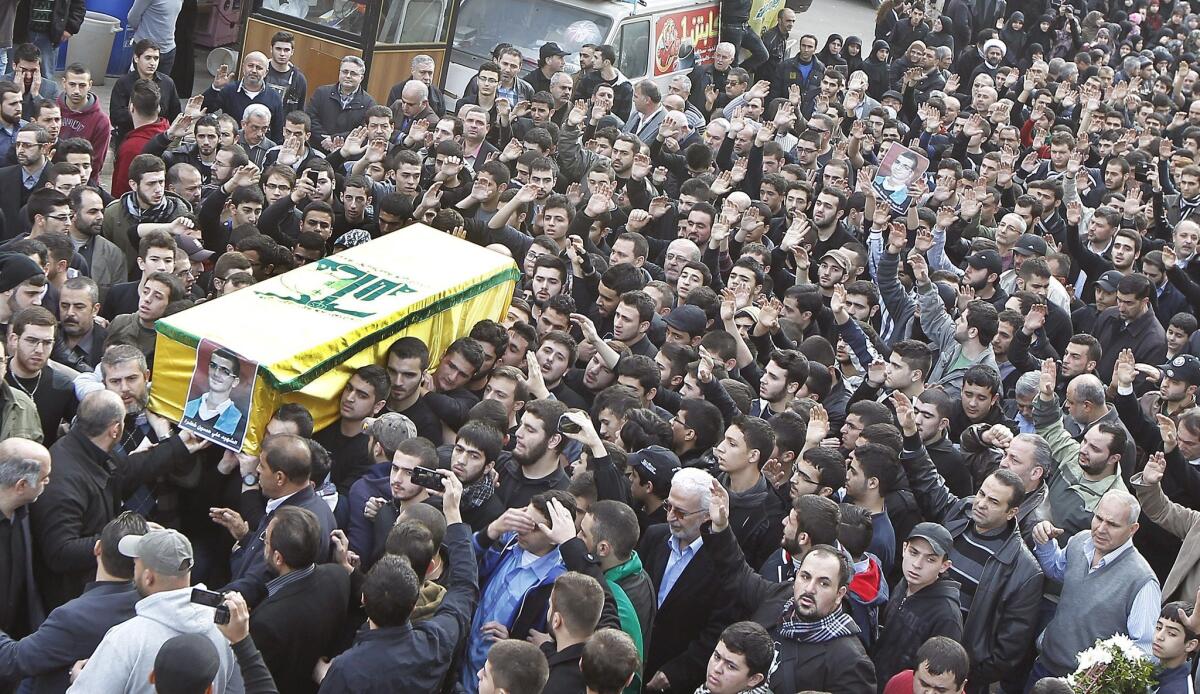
(8, 137)
(516, 575)
(676, 563)
(1143, 615)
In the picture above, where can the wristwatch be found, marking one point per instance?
(250, 480)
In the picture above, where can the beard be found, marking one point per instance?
(532, 454)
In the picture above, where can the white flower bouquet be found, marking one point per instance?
(1115, 665)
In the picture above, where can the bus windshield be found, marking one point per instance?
(527, 24)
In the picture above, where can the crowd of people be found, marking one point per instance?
(750, 423)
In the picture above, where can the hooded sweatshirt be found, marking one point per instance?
(91, 123)
(748, 518)
(911, 620)
(868, 594)
(125, 658)
(877, 71)
(1015, 38)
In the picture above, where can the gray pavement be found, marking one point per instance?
(845, 17)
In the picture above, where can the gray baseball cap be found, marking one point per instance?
(391, 430)
(167, 552)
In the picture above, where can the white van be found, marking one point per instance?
(652, 38)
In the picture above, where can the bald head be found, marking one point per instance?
(674, 103)
(99, 412)
(24, 471)
(254, 70)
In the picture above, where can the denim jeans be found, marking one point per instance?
(742, 36)
(49, 53)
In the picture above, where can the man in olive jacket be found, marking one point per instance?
(1001, 621)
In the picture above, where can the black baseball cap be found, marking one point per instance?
(1030, 245)
(986, 260)
(687, 319)
(935, 534)
(1109, 280)
(656, 465)
(1184, 367)
(550, 48)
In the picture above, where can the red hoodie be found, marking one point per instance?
(92, 124)
(131, 146)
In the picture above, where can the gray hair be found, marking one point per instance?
(685, 247)
(1027, 384)
(943, 52)
(694, 482)
(17, 465)
(1090, 388)
(726, 47)
(1130, 501)
(1043, 455)
(356, 61)
(256, 110)
(422, 59)
(99, 410)
(563, 76)
(416, 89)
(119, 354)
(85, 283)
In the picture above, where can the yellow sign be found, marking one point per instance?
(310, 328)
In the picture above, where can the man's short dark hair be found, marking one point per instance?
(114, 563)
(830, 465)
(377, 379)
(390, 591)
(705, 419)
(986, 376)
(410, 347)
(983, 316)
(296, 535)
(855, 529)
(298, 415)
(941, 654)
(413, 540)
(518, 666)
(609, 659)
(819, 517)
(751, 641)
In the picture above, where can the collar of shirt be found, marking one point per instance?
(280, 582)
(247, 92)
(1089, 552)
(673, 543)
(27, 177)
(208, 411)
(541, 566)
(276, 503)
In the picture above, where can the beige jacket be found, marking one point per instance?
(1182, 522)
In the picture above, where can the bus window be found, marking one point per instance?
(633, 49)
(413, 21)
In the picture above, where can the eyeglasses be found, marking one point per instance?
(673, 510)
(220, 368)
(64, 218)
(803, 477)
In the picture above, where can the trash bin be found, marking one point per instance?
(93, 45)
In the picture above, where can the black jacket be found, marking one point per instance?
(839, 666)
(250, 573)
(297, 625)
(13, 197)
(67, 15)
(89, 486)
(1004, 612)
(565, 675)
(328, 116)
(414, 657)
(910, 620)
(688, 622)
(118, 103)
(70, 633)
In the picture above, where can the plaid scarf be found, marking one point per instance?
(477, 493)
(764, 688)
(160, 213)
(833, 626)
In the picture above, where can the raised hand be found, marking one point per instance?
(718, 507)
(562, 526)
(1035, 320)
(1045, 532)
(223, 78)
(1167, 431)
(1047, 380)
(837, 304)
(818, 426)
(920, 269)
(1155, 468)
(1126, 369)
(906, 414)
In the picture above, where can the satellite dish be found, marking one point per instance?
(221, 56)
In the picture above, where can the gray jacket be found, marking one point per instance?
(939, 327)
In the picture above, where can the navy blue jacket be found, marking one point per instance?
(232, 100)
(250, 574)
(70, 633)
(414, 657)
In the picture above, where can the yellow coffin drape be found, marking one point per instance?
(308, 329)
